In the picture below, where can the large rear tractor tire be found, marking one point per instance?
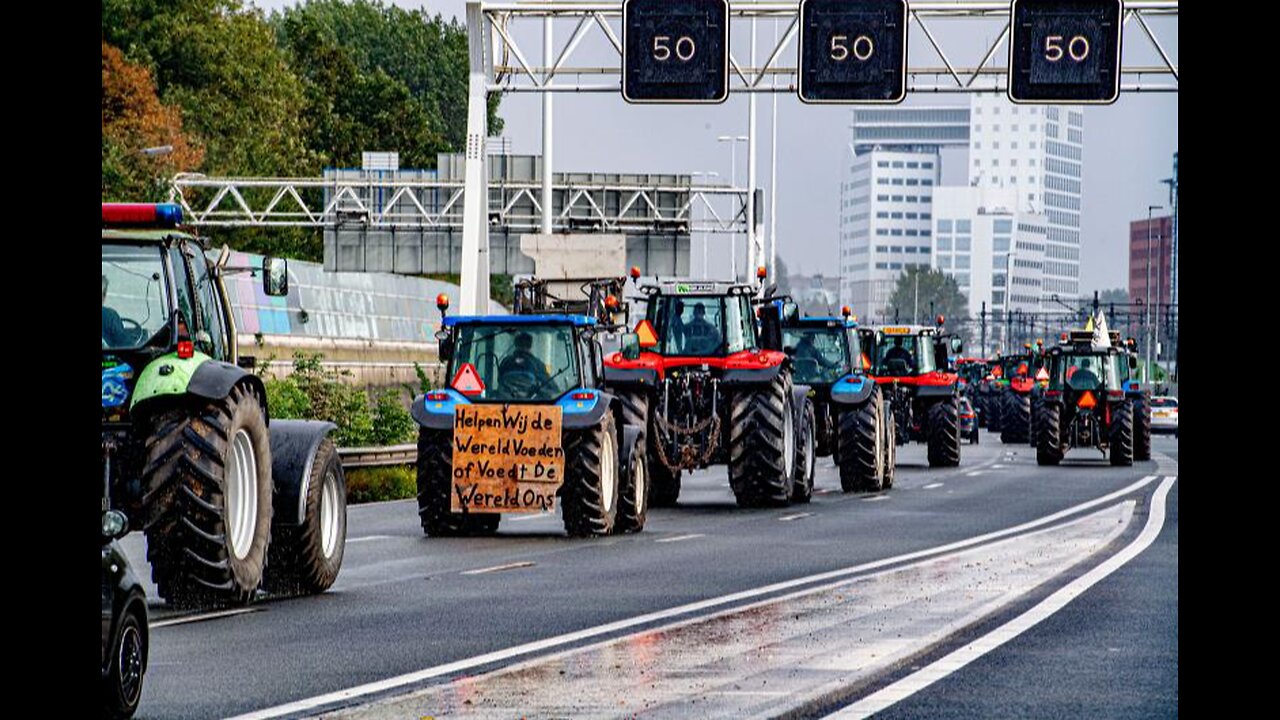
(207, 481)
(1049, 434)
(1141, 430)
(824, 436)
(306, 558)
(592, 479)
(435, 484)
(1120, 434)
(762, 437)
(944, 433)
(890, 450)
(862, 452)
(1015, 419)
(633, 500)
(806, 452)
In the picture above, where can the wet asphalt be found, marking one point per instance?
(405, 602)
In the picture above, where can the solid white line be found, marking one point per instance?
(678, 538)
(975, 473)
(499, 568)
(203, 616)
(369, 537)
(797, 516)
(941, 668)
(874, 498)
(572, 637)
(931, 486)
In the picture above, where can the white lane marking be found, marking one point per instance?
(535, 516)
(931, 486)
(975, 473)
(941, 668)
(203, 616)
(874, 498)
(369, 537)
(823, 491)
(559, 640)
(797, 516)
(678, 538)
(997, 467)
(499, 568)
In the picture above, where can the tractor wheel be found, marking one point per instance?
(944, 433)
(1015, 419)
(592, 479)
(862, 452)
(664, 485)
(806, 451)
(633, 499)
(1120, 434)
(1049, 434)
(890, 451)
(208, 500)
(1142, 430)
(762, 438)
(305, 558)
(1036, 402)
(435, 486)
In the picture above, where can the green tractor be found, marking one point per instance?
(230, 500)
(1085, 403)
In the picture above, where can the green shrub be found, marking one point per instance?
(381, 483)
(315, 393)
(392, 424)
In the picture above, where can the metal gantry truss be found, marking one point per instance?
(508, 68)
(438, 204)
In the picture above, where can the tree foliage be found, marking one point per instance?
(935, 287)
(134, 118)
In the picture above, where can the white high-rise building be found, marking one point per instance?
(1037, 151)
(892, 166)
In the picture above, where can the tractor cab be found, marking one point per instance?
(701, 319)
(822, 349)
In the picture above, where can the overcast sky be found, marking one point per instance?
(1128, 146)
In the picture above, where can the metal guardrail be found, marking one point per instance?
(378, 456)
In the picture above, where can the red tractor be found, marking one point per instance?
(710, 389)
(911, 367)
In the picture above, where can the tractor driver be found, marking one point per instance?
(522, 362)
(700, 336)
(807, 350)
(898, 352)
(113, 332)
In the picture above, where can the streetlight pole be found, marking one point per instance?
(706, 271)
(1146, 307)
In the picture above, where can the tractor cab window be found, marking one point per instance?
(903, 355)
(819, 354)
(135, 299)
(519, 362)
(739, 325)
(1086, 371)
(1016, 366)
(690, 325)
(211, 338)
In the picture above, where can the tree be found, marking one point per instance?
(934, 286)
(133, 118)
(1119, 296)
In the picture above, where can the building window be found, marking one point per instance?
(944, 262)
(925, 233)
(896, 232)
(926, 181)
(962, 262)
(912, 233)
(883, 164)
(897, 181)
(962, 278)
(926, 165)
(1014, 145)
(944, 243)
(1031, 180)
(882, 214)
(895, 266)
(995, 111)
(882, 248)
(996, 127)
(995, 162)
(913, 165)
(995, 145)
(913, 181)
(896, 216)
(964, 226)
(1033, 127)
(881, 231)
(1014, 161)
(977, 145)
(977, 128)
(977, 162)
(897, 164)
(882, 266)
(882, 198)
(1003, 226)
(963, 243)
(882, 181)
(944, 225)
(1033, 144)
(1032, 161)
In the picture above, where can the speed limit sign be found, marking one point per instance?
(1065, 51)
(675, 51)
(853, 52)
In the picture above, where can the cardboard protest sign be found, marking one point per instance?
(506, 458)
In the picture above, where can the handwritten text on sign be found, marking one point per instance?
(506, 458)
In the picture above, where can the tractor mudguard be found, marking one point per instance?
(628, 441)
(294, 444)
(631, 376)
(799, 394)
(437, 414)
(198, 375)
(852, 390)
(935, 391)
(579, 414)
(738, 376)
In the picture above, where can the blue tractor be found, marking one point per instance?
(533, 360)
(850, 416)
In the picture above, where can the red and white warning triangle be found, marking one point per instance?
(468, 381)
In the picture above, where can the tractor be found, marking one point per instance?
(851, 419)
(1018, 393)
(1085, 403)
(546, 366)
(910, 366)
(230, 499)
(712, 388)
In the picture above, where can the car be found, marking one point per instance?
(1164, 414)
(124, 623)
(968, 421)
